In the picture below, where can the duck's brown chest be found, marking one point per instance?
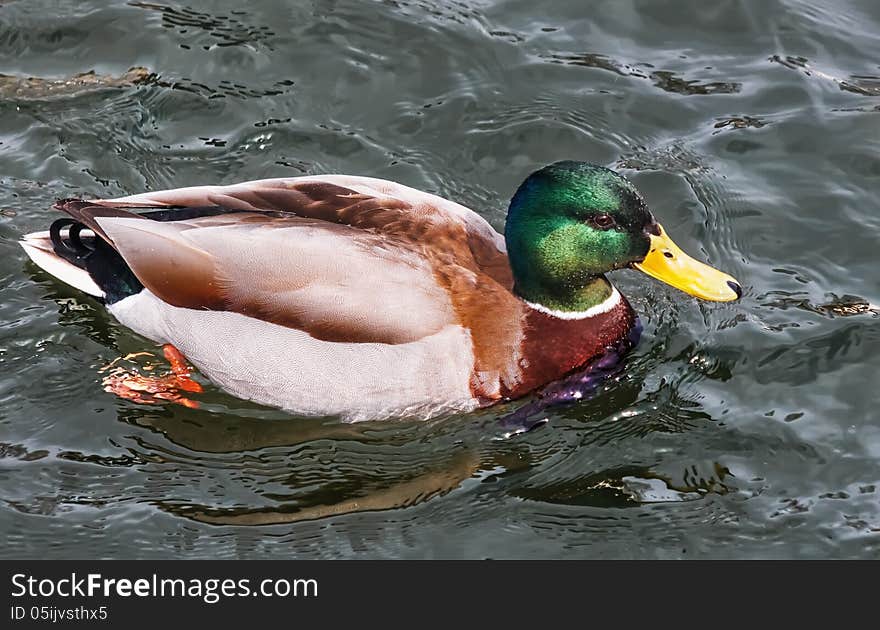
(553, 346)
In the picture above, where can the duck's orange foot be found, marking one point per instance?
(153, 390)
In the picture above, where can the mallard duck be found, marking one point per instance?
(362, 298)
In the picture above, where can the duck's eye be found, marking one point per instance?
(602, 221)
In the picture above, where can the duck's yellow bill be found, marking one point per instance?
(665, 261)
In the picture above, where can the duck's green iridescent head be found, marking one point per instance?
(571, 222)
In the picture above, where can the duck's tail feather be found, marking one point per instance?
(38, 247)
(79, 253)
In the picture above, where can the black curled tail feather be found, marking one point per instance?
(93, 252)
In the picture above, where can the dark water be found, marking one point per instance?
(740, 430)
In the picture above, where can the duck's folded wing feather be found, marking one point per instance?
(364, 203)
(333, 281)
(343, 258)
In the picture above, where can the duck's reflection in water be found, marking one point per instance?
(319, 468)
(438, 468)
(401, 494)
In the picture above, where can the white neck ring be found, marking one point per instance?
(603, 307)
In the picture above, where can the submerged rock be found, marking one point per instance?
(34, 88)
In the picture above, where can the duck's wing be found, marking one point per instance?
(365, 203)
(347, 263)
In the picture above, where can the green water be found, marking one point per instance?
(740, 430)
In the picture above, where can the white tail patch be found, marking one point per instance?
(38, 247)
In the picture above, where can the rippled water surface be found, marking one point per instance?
(739, 430)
